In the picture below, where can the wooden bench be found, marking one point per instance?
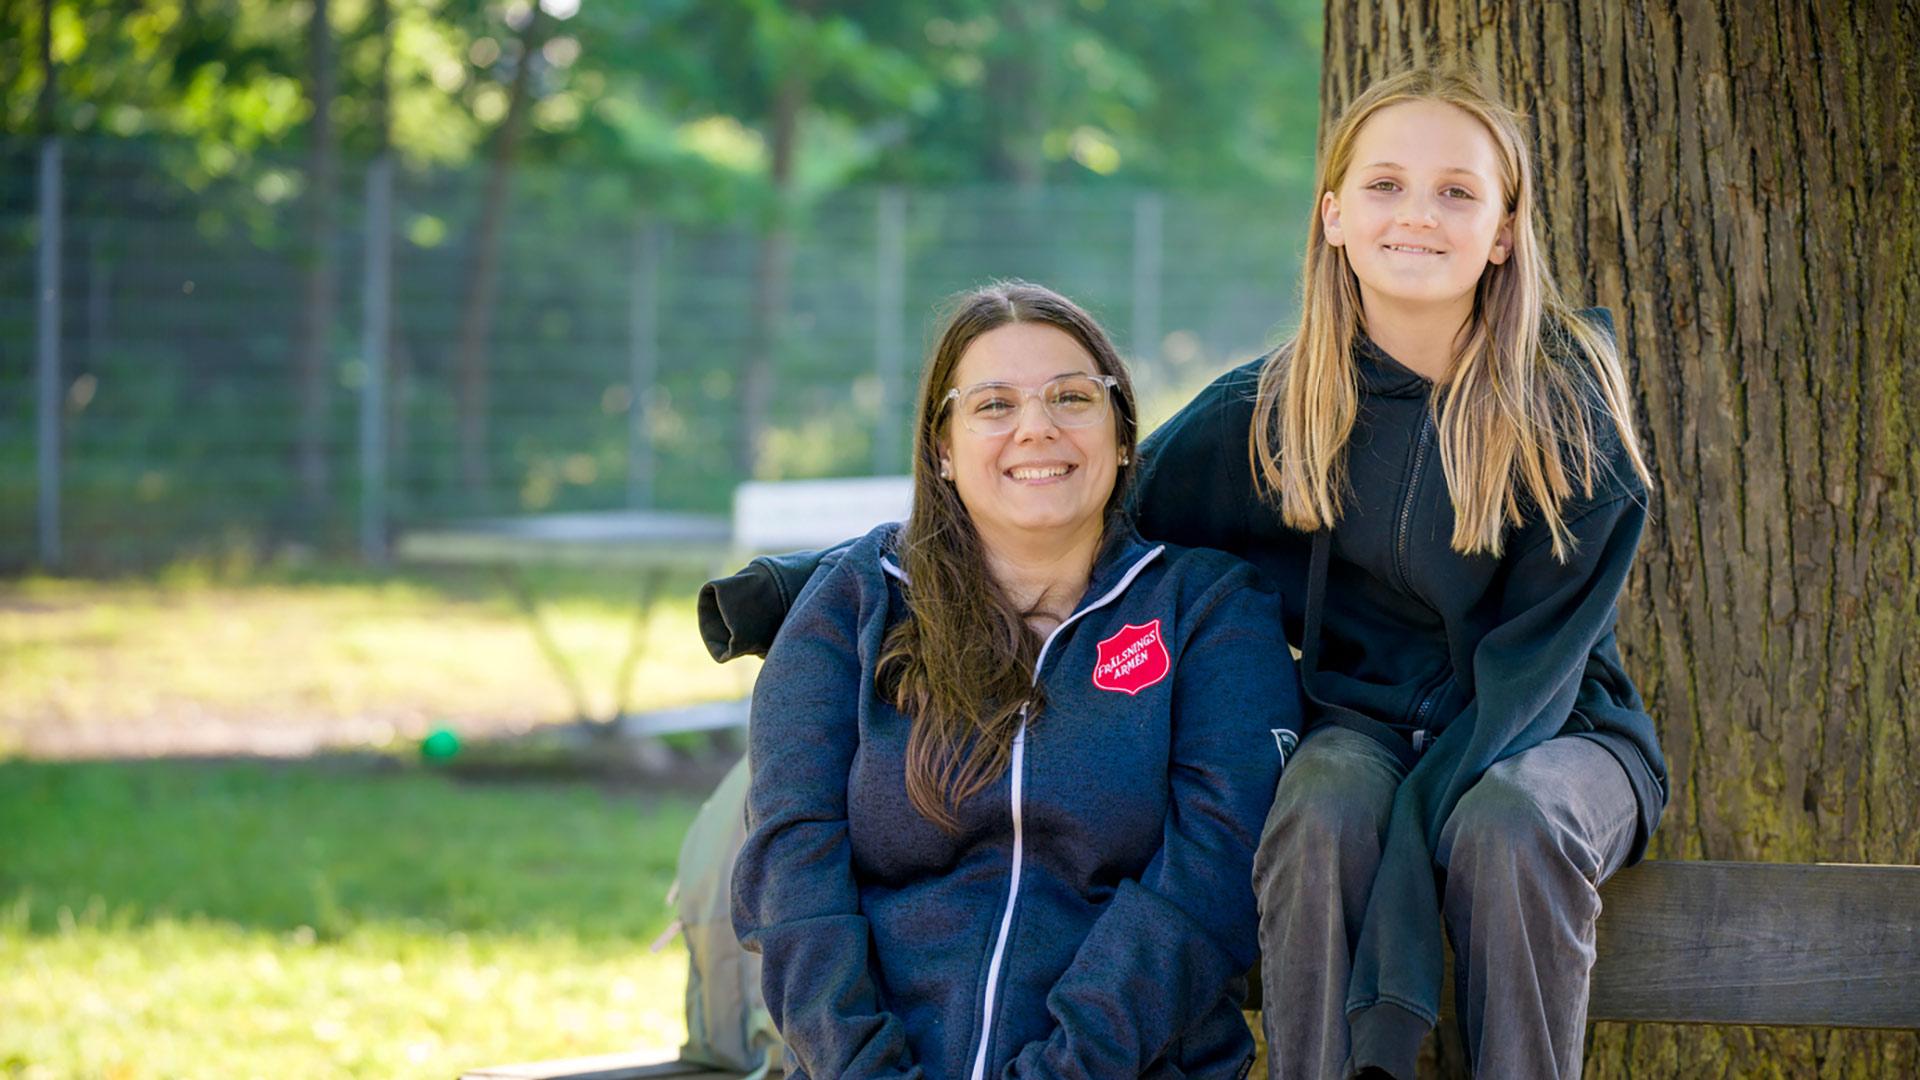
(1787, 944)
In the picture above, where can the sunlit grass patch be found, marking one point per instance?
(343, 656)
(194, 999)
(164, 919)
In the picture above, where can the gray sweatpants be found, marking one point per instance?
(1524, 853)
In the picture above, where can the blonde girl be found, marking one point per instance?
(1440, 470)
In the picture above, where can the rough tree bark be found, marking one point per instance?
(1741, 184)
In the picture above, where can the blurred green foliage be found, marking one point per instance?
(677, 93)
(1025, 135)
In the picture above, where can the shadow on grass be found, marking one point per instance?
(333, 845)
(551, 583)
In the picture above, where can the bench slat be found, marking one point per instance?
(1760, 943)
(1821, 945)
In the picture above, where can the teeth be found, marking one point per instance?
(1038, 474)
(1409, 247)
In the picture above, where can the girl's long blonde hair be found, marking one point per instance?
(1514, 421)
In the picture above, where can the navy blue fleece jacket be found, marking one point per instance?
(1093, 915)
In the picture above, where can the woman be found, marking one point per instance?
(1009, 761)
(1440, 471)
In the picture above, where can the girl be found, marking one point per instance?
(1010, 761)
(1440, 470)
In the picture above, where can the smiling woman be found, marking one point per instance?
(1010, 759)
(1036, 481)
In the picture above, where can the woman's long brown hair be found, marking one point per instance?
(1513, 420)
(960, 666)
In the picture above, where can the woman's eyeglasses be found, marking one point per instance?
(1070, 401)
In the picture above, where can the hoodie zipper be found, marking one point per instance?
(1406, 507)
(1420, 736)
(1019, 846)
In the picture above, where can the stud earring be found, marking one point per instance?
(946, 471)
(1124, 459)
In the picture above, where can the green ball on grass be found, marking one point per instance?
(440, 745)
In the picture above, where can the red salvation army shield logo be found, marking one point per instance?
(1132, 660)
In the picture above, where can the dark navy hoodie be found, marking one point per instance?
(1093, 916)
(1453, 661)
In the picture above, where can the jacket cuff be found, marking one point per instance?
(739, 615)
(1386, 1036)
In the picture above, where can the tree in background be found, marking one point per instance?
(781, 69)
(310, 368)
(1742, 187)
(483, 266)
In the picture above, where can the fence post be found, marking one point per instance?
(48, 354)
(889, 344)
(375, 337)
(643, 361)
(1147, 212)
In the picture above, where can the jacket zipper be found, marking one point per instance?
(1019, 847)
(1406, 508)
(1421, 736)
(1426, 701)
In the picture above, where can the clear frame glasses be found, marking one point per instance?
(1070, 401)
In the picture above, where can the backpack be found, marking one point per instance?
(728, 1026)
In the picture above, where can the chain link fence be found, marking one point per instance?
(163, 415)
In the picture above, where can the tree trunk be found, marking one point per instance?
(1741, 185)
(44, 110)
(771, 277)
(1016, 87)
(483, 271)
(399, 355)
(376, 403)
(316, 322)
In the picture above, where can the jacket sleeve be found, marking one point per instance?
(1195, 483)
(795, 901)
(740, 614)
(1170, 945)
(1527, 672)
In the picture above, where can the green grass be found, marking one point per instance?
(179, 920)
(290, 655)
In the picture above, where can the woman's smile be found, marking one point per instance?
(1039, 473)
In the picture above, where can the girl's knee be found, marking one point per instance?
(1498, 821)
(1333, 799)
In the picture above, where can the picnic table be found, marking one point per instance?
(650, 545)
(654, 546)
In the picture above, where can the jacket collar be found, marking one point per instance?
(1379, 373)
(1121, 553)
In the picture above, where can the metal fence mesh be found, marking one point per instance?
(614, 352)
